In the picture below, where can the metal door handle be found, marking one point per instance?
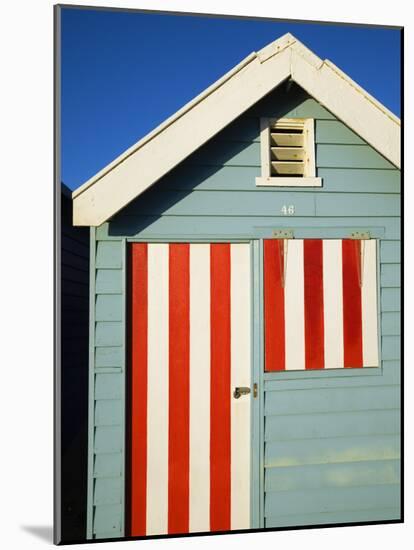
(239, 391)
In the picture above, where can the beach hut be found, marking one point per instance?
(244, 327)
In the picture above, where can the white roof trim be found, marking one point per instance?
(349, 102)
(149, 159)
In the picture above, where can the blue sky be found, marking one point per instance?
(123, 72)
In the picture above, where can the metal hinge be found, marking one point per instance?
(360, 235)
(283, 234)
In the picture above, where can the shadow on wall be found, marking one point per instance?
(205, 162)
(73, 395)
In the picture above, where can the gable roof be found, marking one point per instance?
(150, 158)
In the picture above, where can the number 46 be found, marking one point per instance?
(288, 210)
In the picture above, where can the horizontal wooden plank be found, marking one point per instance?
(109, 254)
(350, 156)
(107, 534)
(318, 476)
(390, 323)
(74, 362)
(109, 334)
(284, 168)
(335, 132)
(244, 128)
(108, 439)
(108, 386)
(109, 357)
(223, 203)
(108, 281)
(293, 104)
(348, 516)
(331, 450)
(390, 299)
(191, 227)
(108, 465)
(222, 178)
(332, 500)
(75, 246)
(337, 146)
(109, 307)
(388, 375)
(107, 491)
(360, 181)
(71, 317)
(232, 153)
(108, 412)
(390, 252)
(237, 178)
(278, 428)
(74, 288)
(345, 204)
(74, 274)
(310, 108)
(292, 183)
(288, 153)
(72, 303)
(75, 336)
(286, 124)
(79, 234)
(107, 520)
(391, 348)
(73, 260)
(307, 401)
(103, 370)
(286, 139)
(390, 275)
(278, 104)
(77, 342)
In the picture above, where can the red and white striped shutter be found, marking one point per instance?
(320, 302)
(190, 346)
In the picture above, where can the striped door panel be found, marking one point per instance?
(190, 346)
(320, 304)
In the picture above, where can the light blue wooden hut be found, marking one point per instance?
(285, 146)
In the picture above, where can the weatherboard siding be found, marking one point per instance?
(212, 195)
(106, 466)
(74, 287)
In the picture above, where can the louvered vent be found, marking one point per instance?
(287, 148)
(287, 153)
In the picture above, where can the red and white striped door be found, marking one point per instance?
(320, 303)
(190, 347)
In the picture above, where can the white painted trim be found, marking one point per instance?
(117, 184)
(294, 306)
(157, 408)
(269, 125)
(240, 376)
(349, 102)
(309, 146)
(333, 304)
(199, 474)
(120, 185)
(187, 107)
(369, 303)
(288, 182)
(265, 147)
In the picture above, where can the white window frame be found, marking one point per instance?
(309, 178)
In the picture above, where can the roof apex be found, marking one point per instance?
(116, 184)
